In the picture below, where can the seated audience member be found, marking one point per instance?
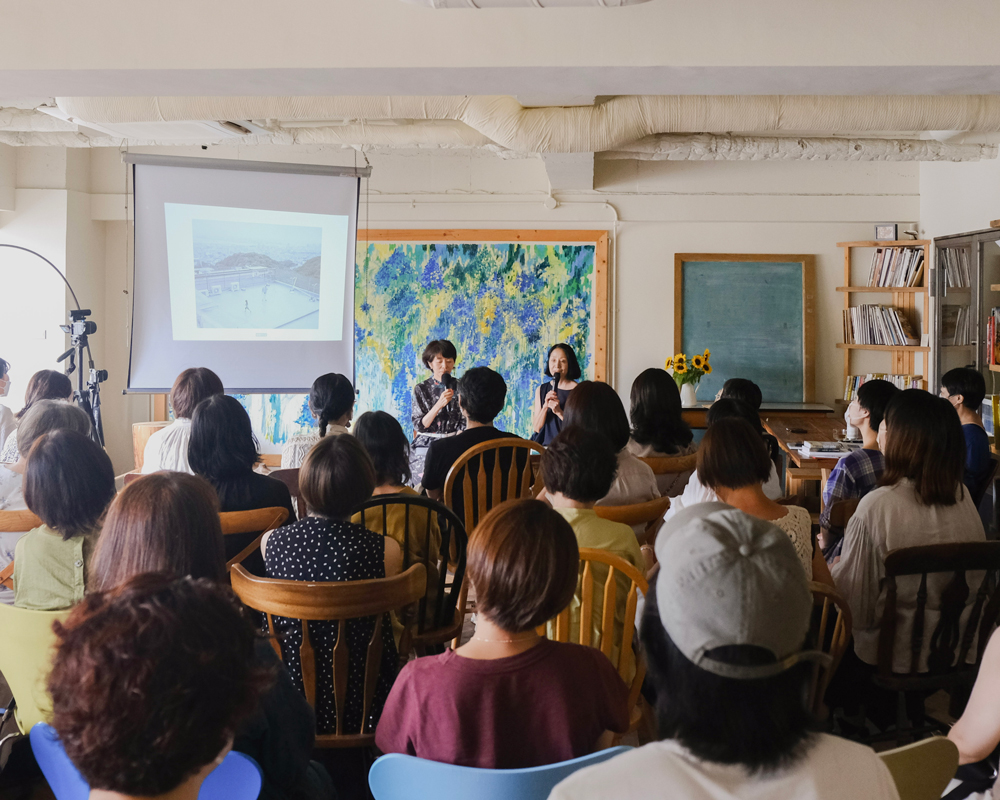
(695, 491)
(336, 477)
(383, 438)
(68, 483)
(746, 391)
(481, 395)
(167, 448)
(46, 384)
(858, 473)
(658, 429)
(510, 698)
(724, 632)
(331, 403)
(8, 423)
(921, 501)
(595, 406)
(977, 732)
(733, 463)
(169, 523)
(965, 389)
(150, 683)
(578, 467)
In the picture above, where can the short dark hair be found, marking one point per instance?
(523, 561)
(482, 393)
(336, 477)
(222, 444)
(382, 436)
(726, 407)
(191, 387)
(580, 464)
(656, 412)
(331, 396)
(761, 724)
(732, 455)
(438, 347)
(572, 365)
(594, 405)
(164, 522)
(68, 482)
(967, 382)
(46, 384)
(874, 397)
(745, 390)
(925, 443)
(149, 683)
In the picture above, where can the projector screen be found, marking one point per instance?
(246, 268)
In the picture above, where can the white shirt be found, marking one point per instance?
(7, 425)
(167, 448)
(10, 453)
(695, 492)
(297, 447)
(831, 769)
(11, 495)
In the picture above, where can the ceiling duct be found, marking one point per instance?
(523, 3)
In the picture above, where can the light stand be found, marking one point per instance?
(79, 329)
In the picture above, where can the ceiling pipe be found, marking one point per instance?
(523, 3)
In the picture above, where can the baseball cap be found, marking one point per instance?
(728, 578)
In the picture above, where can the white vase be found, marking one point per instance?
(689, 395)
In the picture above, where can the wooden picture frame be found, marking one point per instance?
(808, 265)
(599, 238)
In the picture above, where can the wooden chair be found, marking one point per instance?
(491, 486)
(795, 477)
(271, 460)
(338, 601)
(842, 511)
(290, 477)
(448, 614)
(626, 657)
(648, 514)
(670, 470)
(950, 642)
(15, 522)
(141, 431)
(922, 770)
(257, 520)
(831, 632)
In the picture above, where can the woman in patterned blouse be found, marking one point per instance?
(436, 414)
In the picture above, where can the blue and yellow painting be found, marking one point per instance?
(502, 305)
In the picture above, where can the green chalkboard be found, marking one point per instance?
(755, 313)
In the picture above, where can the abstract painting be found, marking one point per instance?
(503, 299)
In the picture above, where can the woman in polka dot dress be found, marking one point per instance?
(336, 476)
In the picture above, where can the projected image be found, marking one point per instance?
(240, 274)
(256, 275)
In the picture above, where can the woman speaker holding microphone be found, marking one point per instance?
(560, 365)
(436, 414)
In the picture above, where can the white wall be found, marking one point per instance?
(958, 197)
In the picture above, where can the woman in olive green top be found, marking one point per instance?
(69, 482)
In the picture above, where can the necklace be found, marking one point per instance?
(502, 641)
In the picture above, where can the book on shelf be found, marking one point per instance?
(955, 263)
(854, 382)
(878, 325)
(955, 327)
(992, 329)
(897, 267)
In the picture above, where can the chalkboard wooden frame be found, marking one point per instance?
(808, 263)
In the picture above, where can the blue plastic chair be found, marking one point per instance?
(238, 777)
(399, 777)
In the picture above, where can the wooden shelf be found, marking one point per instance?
(882, 289)
(994, 369)
(995, 287)
(892, 243)
(913, 347)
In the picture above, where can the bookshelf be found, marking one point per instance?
(902, 358)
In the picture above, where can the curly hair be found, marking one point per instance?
(150, 682)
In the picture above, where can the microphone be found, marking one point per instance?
(449, 381)
(555, 380)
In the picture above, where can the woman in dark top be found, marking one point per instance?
(658, 429)
(223, 450)
(564, 370)
(435, 414)
(965, 389)
(336, 477)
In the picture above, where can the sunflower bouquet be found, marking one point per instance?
(686, 371)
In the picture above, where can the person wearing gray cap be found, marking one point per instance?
(724, 632)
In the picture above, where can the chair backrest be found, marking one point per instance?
(842, 511)
(948, 636)
(831, 631)
(238, 777)
(290, 477)
(271, 460)
(492, 484)
(338, 601)
(636, 513)
(609, 599)
(141, 431)
(922, 770)
(979, 492)
(16, 521)
(670, 465)
(454, 542)
(26, 658)
(400, 777)
(131, 477)
(256, 520)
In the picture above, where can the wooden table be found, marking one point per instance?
(695, 415)
(820, 429)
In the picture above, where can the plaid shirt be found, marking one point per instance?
(854, 476)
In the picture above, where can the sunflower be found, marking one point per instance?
(680, 369)
(707, 353)
(707, 369)
(680, 358)
(668, 363)
(697, 362)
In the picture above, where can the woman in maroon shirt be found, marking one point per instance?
(510, 698)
